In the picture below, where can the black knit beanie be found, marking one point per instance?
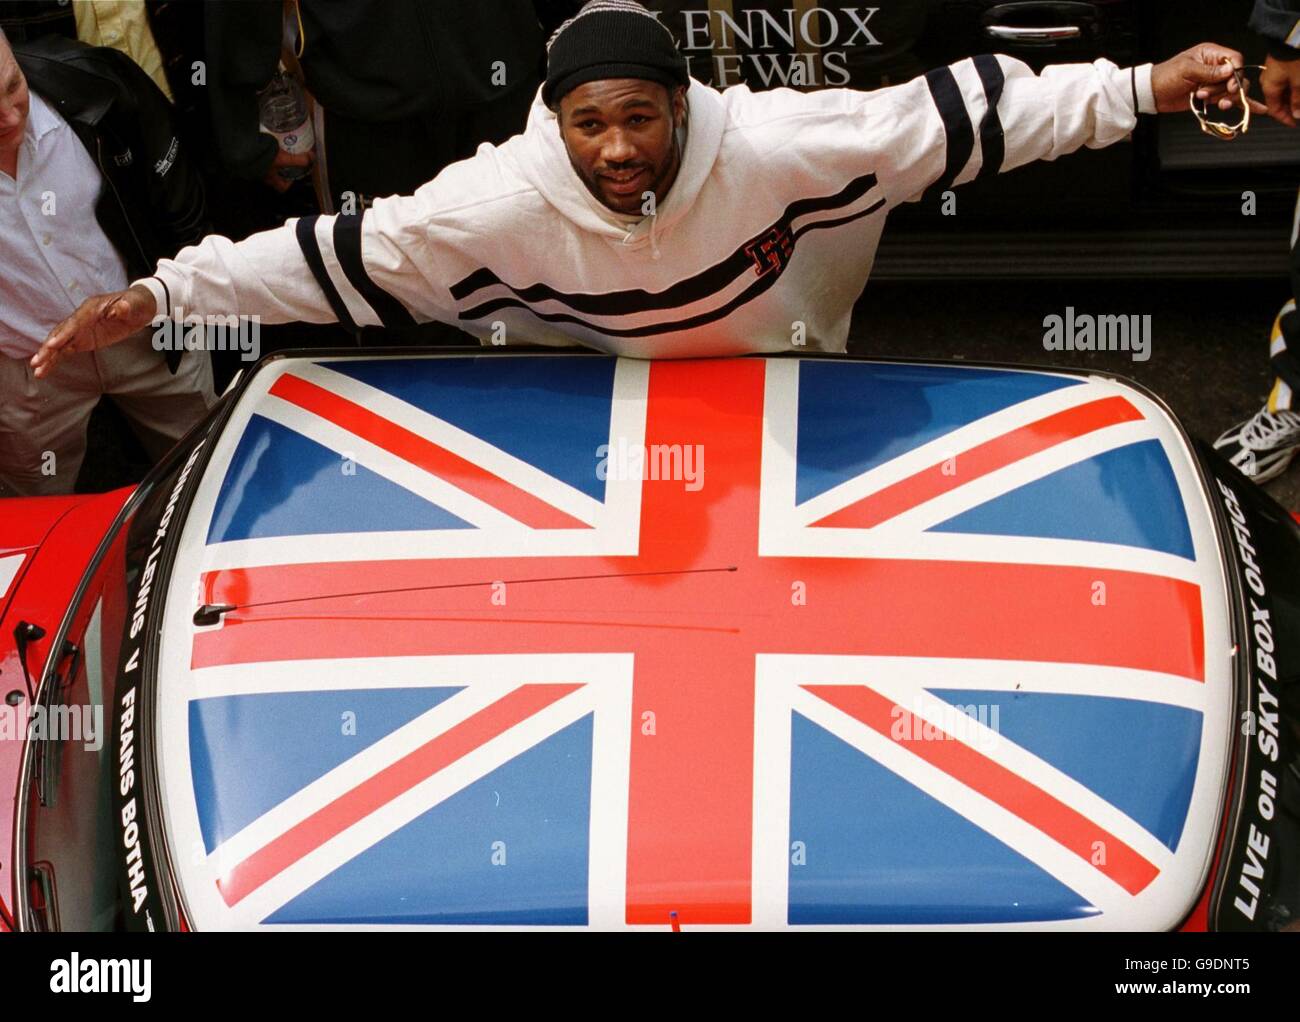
(610, 39)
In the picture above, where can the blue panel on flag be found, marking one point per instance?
(854, 416)
(280, 483)
(1139, 756)
(1128, 496)
(248, 753)
(879, 850)
(510, 849)
(551, 412)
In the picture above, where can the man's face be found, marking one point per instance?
(622, 139)
(14, 101)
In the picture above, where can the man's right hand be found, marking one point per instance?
(272, 177)
(1281, 87)
(99, 321)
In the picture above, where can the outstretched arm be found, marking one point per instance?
(991, 113)
(360, 269)
(265, 275)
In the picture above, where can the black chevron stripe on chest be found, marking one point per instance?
(765, 254)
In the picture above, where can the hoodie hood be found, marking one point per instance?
(549, 170)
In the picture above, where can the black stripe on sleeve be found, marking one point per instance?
(992, 142)
(956, 125)
(166, 310)
(347, 250)
(306, 233)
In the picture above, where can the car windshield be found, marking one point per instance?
(74, 817)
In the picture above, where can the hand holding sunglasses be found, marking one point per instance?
(1238, 88)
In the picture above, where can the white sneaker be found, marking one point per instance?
(1263, 445)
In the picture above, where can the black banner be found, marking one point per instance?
(138, 876)
(800, 44)
(1257, 886)
(673, 974)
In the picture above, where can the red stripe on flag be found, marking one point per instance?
(979, 461)
(980, 610)
(411, 447)
(855, 607)
(379, 790)
(1041, 810)
(691, 788)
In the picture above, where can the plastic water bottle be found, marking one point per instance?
(282, 107)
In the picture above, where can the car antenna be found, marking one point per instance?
(211, 613)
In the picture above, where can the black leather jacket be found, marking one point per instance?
(152, 204)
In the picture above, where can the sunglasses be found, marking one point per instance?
(1220, 129)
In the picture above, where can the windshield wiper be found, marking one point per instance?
(25, 632)
(41, 898)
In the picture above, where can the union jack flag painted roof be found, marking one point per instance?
(550, 640)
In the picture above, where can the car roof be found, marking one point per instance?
(578, 641)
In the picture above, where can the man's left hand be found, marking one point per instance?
(1200, 70)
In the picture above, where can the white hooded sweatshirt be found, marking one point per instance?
(763, 243)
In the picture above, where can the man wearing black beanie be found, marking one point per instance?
(646, 214)
(608, 58)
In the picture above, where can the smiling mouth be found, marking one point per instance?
(624, 183)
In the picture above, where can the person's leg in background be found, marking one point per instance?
(161, 406)
(1284, 355)
(43, 424)
(1262, 447)
(1284, 340)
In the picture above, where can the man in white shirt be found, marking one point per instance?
(646, 214)
(56, 254)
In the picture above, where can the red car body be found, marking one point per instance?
(47, 543)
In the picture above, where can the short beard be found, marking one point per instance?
(673, 162)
